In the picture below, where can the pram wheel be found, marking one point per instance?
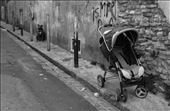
(100, 81)
(141, 91)
(121, 96)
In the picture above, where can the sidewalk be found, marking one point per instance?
(87, 75)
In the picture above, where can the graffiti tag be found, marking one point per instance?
(103, 11)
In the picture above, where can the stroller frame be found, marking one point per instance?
(107, 48)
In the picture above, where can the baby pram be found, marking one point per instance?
(117, 46)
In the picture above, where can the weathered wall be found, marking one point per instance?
(15, 7)
(145, 15)
(154, 30)
(62, 16)
(165, 6)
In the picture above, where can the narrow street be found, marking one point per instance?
(103, 55)
(23, 89)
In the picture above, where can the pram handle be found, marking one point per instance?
(106, 25)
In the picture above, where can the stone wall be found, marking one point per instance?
(145, 15)
(154, 40)
(165, 6)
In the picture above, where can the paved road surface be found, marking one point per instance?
(22, 89)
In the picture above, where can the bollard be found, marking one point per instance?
(21, 21)
(21, 30)
(31, 31)
(31, 21)
(13, 28)
(76, 45)
(13, 21)
(48, 34)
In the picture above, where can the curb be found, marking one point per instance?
(71, 73)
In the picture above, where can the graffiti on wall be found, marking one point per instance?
(101, 12)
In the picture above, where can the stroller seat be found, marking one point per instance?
(129, 71)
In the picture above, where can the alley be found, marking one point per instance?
(69, 55)
(23, 89)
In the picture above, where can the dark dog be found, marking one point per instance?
(41, 35)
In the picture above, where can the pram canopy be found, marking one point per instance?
(121, 38)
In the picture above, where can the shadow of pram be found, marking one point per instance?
(153, 83)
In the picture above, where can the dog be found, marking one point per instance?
(41, 35)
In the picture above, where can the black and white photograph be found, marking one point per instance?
(85, 55)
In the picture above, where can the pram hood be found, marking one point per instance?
(117, 46)
(119, 36)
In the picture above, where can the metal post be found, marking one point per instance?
(21, 12)
(13, 21)
(76, 56)
(31, 22)
(48, 33)
(31, 31)
(5, 6)
(21, 30)
(76, 46)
